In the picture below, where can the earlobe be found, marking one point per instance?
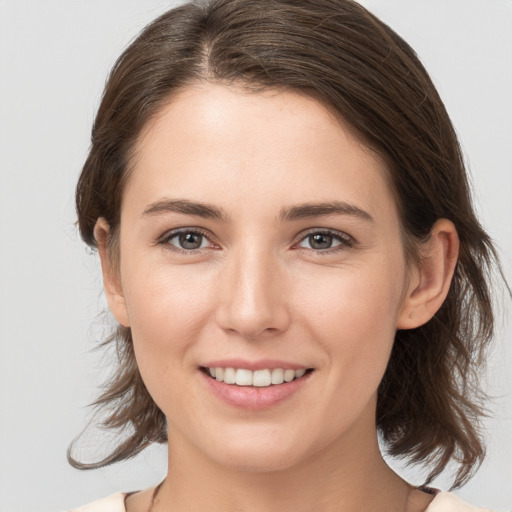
(431, 280)
(110, 272)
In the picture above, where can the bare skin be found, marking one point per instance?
(417, 500)
(277, 174)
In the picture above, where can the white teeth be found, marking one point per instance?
(261, 378)
(243, 377)
(258, 378)
(229, 376)
(289, 375)
(277, 376)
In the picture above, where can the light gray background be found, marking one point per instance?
(54, 57)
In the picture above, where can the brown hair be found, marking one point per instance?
(429, 403)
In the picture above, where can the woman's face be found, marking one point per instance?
(257, 233)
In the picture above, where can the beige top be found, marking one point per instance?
(443, 502)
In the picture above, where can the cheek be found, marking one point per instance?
(168, 307)
(165, 305)
(167, 315)
(352, 315)
(352, 301)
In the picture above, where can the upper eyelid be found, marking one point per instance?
(296, 239)
(347, 242)
(177, 231)
(172, 233)
(329, 231)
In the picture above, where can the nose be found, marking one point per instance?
(252, 295)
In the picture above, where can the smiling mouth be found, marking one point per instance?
(258, 378)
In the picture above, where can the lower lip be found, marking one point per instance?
(254, 398)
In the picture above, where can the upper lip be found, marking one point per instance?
(260, 364)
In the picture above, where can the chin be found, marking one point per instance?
(262, 455)
(260, 462)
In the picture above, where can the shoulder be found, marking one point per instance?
(138, 500)
(447, 502)
(114, 503)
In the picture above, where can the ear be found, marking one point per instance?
(110, 271)
(430, 280)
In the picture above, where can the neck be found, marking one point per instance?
(348, 475)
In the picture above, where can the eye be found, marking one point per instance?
(186, 240)
(322, 241)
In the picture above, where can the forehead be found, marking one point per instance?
(221, 143)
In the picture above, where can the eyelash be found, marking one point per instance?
(166, 239)
(346, 241)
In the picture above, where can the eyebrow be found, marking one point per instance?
(186, 207)
(307, 210)
(301, 211)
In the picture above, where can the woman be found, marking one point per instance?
(287, 240)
